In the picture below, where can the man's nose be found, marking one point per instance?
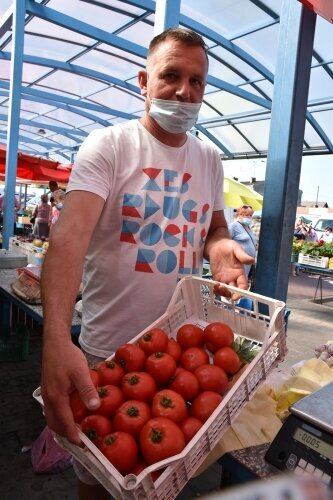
(183, 91)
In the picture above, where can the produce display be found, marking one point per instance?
(157, 394)
(325, 352)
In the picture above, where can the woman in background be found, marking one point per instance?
(41, 215)
(240, 231)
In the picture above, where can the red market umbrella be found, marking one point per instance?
(33, 168)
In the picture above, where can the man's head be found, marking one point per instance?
(44, 198)
(180, 35)
(177, 66)
(328, 229)
(53, 186)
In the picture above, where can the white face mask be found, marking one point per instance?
(174, 116)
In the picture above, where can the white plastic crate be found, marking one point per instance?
(313, 261)
(194, 302)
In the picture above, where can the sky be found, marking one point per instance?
(316, 172)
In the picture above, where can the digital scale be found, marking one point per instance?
(304, 444)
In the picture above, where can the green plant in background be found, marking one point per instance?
(316, 249)
(297, 245)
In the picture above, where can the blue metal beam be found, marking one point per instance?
(6, 21)
(214, 140)
(74, 68)
(86, 29)
(51, 97)
(244, 94)
(46, 144)
(326, 140)
(77, 111)
(166, 15)
(14, 120)
(284, 159)
(65, 131)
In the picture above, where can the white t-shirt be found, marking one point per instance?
(158, 207)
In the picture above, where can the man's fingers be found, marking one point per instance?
(60, 420)
(88, 393)
(242, 256)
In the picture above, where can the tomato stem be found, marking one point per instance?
(147, 337)
(159, 354)
(110, 364)
(132, 411)
(166, 402)
(156, 436)
(133, 380)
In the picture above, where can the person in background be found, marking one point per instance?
(240, 231)
(256, 224)
(299, 230)
(142, 209)
(57, 193)
(2, 209)
(310, 233)
(327, 236)
(41, 214)
(56, 207)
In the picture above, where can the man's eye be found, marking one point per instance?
(170, 76)
(197, 82)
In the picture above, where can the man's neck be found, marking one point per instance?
(173, 140)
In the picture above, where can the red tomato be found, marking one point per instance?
(131, 416)
(218, 335)
(109, 373)
(111, 398)
(227, 359)
(121, 450)
(130, 357)
(190, 336)
(160, 438)
(139, 386)
(78, 408)
(212, 378)
(161, 366)
(156, 340)
(169, 404)
(174, 349)
(190, 427)
(96, 427)
(204, 404)
(194, 357)
(94, 377)
(185, 383)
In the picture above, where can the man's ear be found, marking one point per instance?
(143, 79)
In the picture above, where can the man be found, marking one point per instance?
(57, 193)
(144, 204)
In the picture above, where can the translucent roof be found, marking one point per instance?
(81, 60)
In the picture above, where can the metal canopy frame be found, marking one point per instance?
(69, 66)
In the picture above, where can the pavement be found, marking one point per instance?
(21, 419)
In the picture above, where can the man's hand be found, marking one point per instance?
(227, 259)
(59, 381)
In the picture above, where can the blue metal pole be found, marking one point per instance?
(13, 120)
(291, 86)
(166, 15)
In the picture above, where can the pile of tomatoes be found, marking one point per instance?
(155, 395)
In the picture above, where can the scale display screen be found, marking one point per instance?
(313, 442)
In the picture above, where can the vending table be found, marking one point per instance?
(8, 301)
(320, 273)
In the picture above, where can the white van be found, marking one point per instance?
(323, 222)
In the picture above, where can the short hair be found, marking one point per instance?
(44, 198)
(244, 209)
(183, 35)
(53, 184)
(328, 228)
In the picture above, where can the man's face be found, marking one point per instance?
(175, 72)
